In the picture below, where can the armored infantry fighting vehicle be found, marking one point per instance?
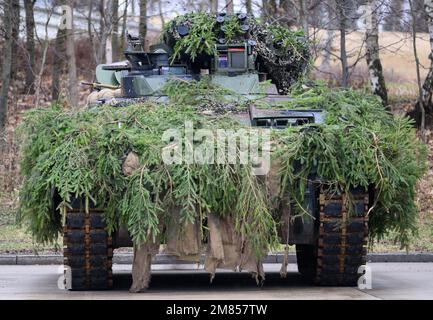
(330, 244)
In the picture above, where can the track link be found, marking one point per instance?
(87, 251)
(343, 236)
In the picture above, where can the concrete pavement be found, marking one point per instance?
(390, 281)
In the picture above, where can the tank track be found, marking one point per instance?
(87, 251)
(342, 243)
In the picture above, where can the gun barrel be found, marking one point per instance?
(100, 85)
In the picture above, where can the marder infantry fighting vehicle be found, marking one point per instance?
(330, 245)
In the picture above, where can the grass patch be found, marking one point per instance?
(15, 239)
(421, 243)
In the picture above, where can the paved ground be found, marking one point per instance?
(390, 281)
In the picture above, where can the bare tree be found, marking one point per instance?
(58, 63)
(229, 7)
(213, 6)
(124, 21)
(107, 44)
(115, 33)
(418, 15)
(43, 60)
(7, 60)
(302, 14)
(103, 40)
(423, 112)
(15, 17)
(342, 20)
(142, 29)
(90, 30)
(161, 12)
(316, 13)
(394, 16)
(377, 80)
(249, 6)
(417, 65)
(133, 7)
(351, 13)
(269, 10)
(30, 44)
(103, 32)
(329, 38)
(72, 65)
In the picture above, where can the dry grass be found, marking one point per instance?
(397, 59)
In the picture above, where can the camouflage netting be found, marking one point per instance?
(282, 53)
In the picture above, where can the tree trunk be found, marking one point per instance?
(249, 7)
(330, 35)
(413, 14)
(351, 15)
(90, 32)
(30, 45)
(214, 6)
(58, 64)
(317, 14)
(229, 7)
(142, 29)
(38, 80)
(269, 10)
(287, 16)
(107, 44)
(303, 22)
(6, 63)
(123, 35)
(72, 66)
(161, 13)
(394, 16)
(420, 16)
(327, 50)
(264, 13)
(343, 58)
(342, 19)
(115, 34)
(103, 33)
(424, 106)
(377, 80)
(15, 17)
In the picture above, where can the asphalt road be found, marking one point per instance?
(390, 281)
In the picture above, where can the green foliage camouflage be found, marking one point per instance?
(80, 154)
(282, 53)
(200, 40)
(359, 145)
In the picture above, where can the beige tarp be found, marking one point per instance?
(225, 247)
